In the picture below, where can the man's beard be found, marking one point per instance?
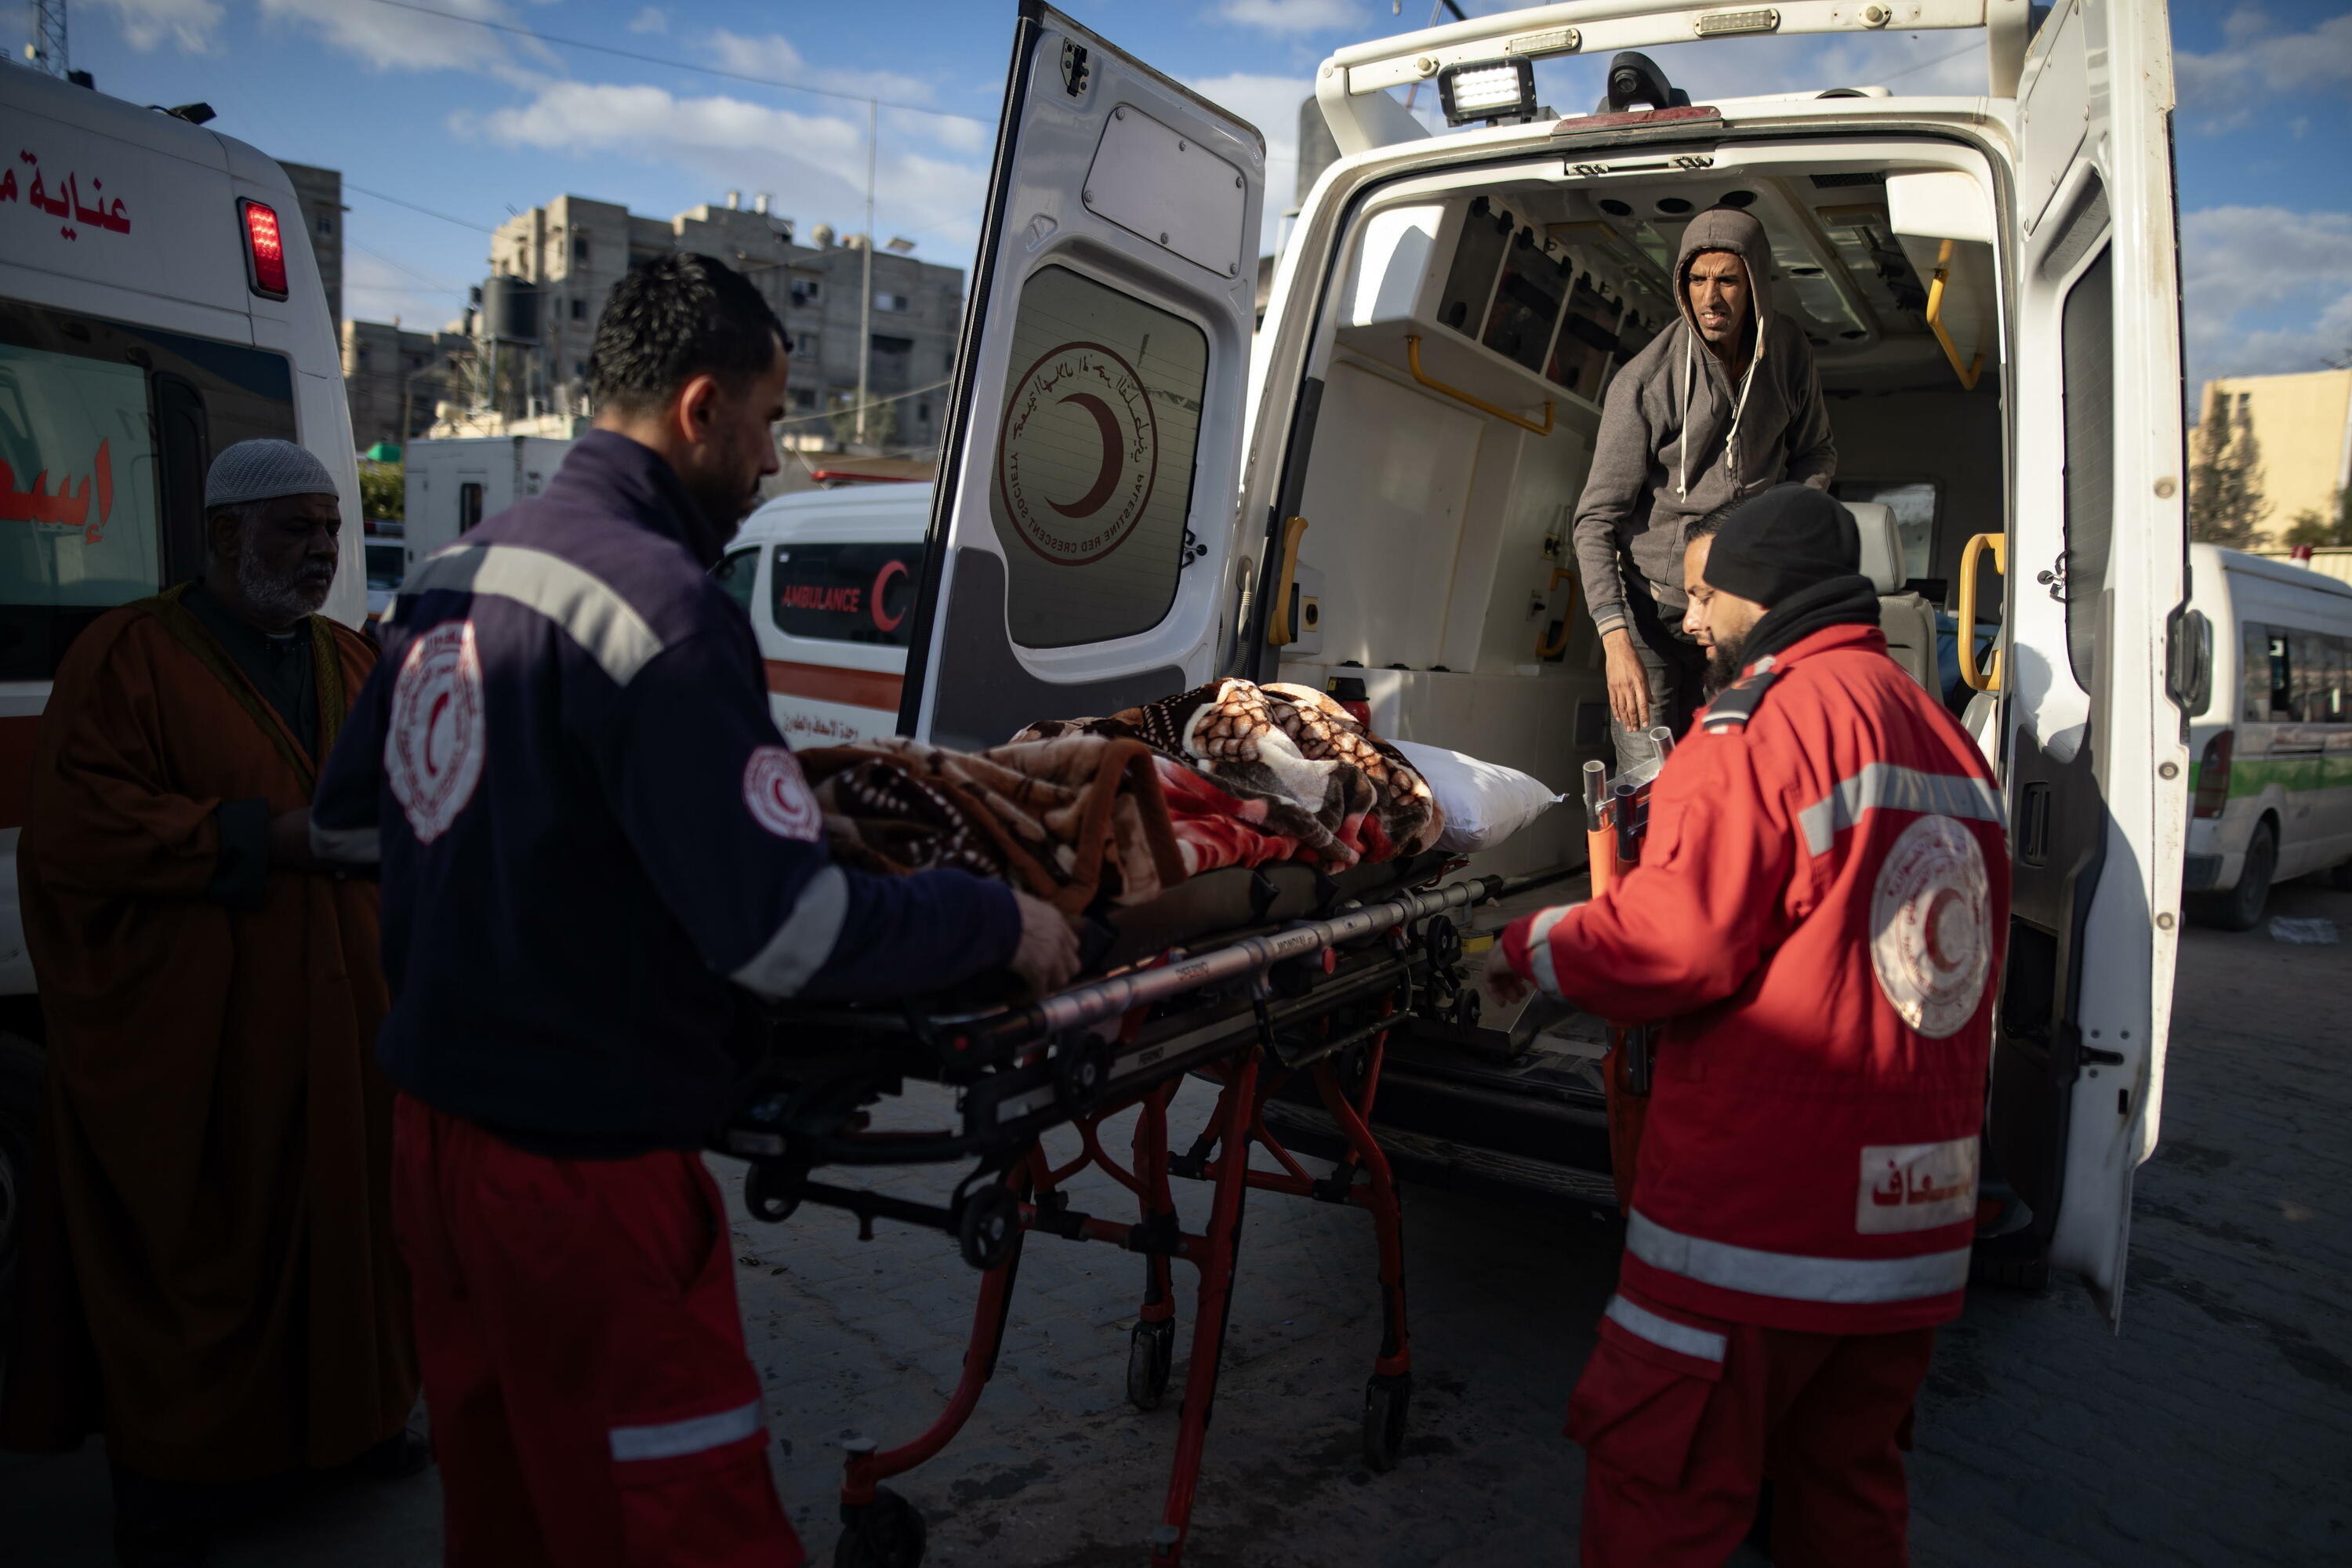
(1723, 662)
(282, 598)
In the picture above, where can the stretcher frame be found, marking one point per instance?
(1316, 996)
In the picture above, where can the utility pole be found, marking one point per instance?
(47, 51)
(866, 302)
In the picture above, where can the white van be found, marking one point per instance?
(450, 484)
(1131, 502)
(828, 579)
(2274, 739)
(158, 302)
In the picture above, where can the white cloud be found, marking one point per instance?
(390, 38)
(773, 57)
(816, 161)
(191, 23)
(1270, 103)
(652, 19)
(2255, 65)
(1296, 15)
(2240, 266)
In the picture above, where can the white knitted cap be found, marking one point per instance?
(264, 470)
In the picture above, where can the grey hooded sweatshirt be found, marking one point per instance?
(1678, 439)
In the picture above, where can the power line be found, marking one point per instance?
(428, 212)
(679, 64)
(876, 403)
(404, 267)
(1923, 64)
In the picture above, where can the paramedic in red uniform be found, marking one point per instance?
(1816, 921)
(596, 851)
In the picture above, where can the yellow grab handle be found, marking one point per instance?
(1567, 621)
(1965, 641)
(1280, 631)
(1413, 363)
(1936, 322)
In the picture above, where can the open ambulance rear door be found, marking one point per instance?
(1082, 530)
(2097, 742)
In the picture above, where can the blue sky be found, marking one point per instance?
(475, 124)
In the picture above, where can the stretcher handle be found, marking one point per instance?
(1100, 999)
(1965, 636)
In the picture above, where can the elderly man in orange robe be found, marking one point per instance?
(209, 1277)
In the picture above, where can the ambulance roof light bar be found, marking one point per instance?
(1354, 75)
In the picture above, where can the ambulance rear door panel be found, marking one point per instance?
(2097, 753)
(1084, 519)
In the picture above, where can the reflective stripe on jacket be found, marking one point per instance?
(1819, 917)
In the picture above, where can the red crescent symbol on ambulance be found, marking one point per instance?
(1114, 459)
(874, 596)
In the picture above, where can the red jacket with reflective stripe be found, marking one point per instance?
(1818, 918)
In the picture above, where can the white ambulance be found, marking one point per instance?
(1131, 502)
(828, 578)
(159, 301)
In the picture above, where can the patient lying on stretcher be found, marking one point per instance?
(1097, 814)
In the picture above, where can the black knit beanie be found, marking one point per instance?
(1791, 537)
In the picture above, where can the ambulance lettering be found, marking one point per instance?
(434, 740)
(1916, 1186)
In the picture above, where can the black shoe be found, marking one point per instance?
(397, 1458)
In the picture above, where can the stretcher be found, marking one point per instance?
(1309, 987)
(1616, 821)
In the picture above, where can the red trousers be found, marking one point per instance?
(592, 1406)
(1681, 1416)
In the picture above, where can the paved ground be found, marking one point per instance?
(2216, 1430)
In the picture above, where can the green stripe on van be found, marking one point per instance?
(2289, 774)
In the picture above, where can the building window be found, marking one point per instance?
(923, 413)
(804, 398)
(326, 225)
(892, 302)
(579, 309)
(580, 370)
(806, 291)
(804, 344)
(580, 248)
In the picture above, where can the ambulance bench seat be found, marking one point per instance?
(1909, 620)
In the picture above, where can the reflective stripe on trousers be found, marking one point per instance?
(695, 1434)
(1792, 1276)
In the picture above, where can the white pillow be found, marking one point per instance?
(1485, 802)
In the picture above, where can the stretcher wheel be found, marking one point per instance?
(1081, 1072)
(763, 1194)
(1386, 1400)
(1466, 1008)
(1441, 942)
(1149, 1353)
(990, 1227)
(886, 1533)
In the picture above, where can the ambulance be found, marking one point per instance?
(159, 301)
(1375, 496)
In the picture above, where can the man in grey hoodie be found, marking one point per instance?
(1722, 405)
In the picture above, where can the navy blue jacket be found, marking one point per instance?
(593, 841)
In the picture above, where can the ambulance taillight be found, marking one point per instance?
(265, 250)
(2213, 776)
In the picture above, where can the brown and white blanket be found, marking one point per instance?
(1114, 810)
(1258, 774)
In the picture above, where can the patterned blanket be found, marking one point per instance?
(1258, 774)
(1087, 811)
(1072, 820)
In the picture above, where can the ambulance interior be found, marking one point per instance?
(1470, 329)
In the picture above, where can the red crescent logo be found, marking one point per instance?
(1113, 453)
(874, 596)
